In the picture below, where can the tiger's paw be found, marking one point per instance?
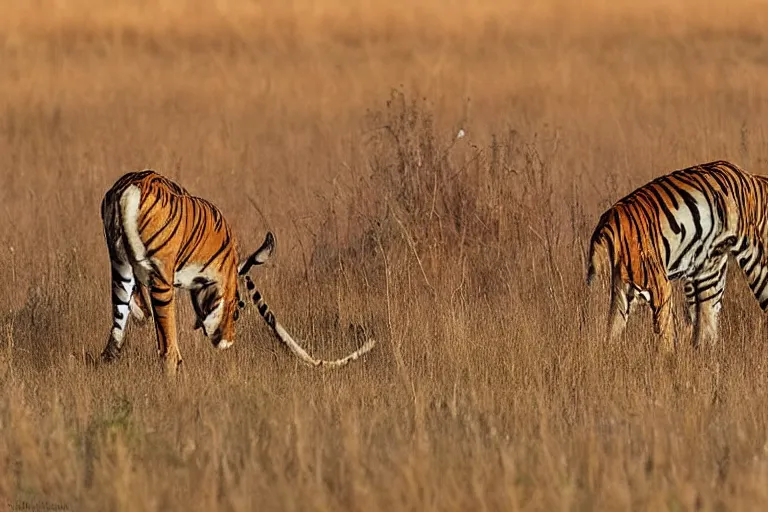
(111, 352)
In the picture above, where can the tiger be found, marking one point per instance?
(159, 238)
(683, 226)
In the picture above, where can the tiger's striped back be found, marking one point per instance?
(177, 228)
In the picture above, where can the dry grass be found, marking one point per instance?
(491, 387)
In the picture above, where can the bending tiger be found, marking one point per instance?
(160, 237)
(683, 226)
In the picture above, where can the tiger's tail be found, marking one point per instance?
(600, 257)
(286, 338)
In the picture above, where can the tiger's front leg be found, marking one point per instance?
(163, 300)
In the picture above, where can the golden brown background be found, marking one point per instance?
(491, 387)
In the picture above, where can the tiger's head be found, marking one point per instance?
(218, 313)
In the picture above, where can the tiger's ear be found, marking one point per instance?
(261, 255)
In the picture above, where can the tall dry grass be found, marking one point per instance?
(491, 387)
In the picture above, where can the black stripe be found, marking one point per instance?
(672, 196)
(169, 238)
(683, 252)
(194, 236)
(118, 277)
(723, 188)
(662, 205)
(713, 296)
(224, 245)
(692, 206)
(706, 287)
(147, 217)
(158, 232)
(758, 257)
(117, 301)
(759, 291)
(158, 302)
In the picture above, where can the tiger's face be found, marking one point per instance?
(217, 307)
(214, 308)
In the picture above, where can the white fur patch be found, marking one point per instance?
(129, 213)
(224, 344)
(263, 254)
(213, 319)
(185, 277)
(118, 335)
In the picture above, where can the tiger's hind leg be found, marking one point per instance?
(123, 284)
(690, 301)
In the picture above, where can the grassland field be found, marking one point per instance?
(334, 124)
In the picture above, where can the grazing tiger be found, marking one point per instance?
(683, 226)
(159, 238)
